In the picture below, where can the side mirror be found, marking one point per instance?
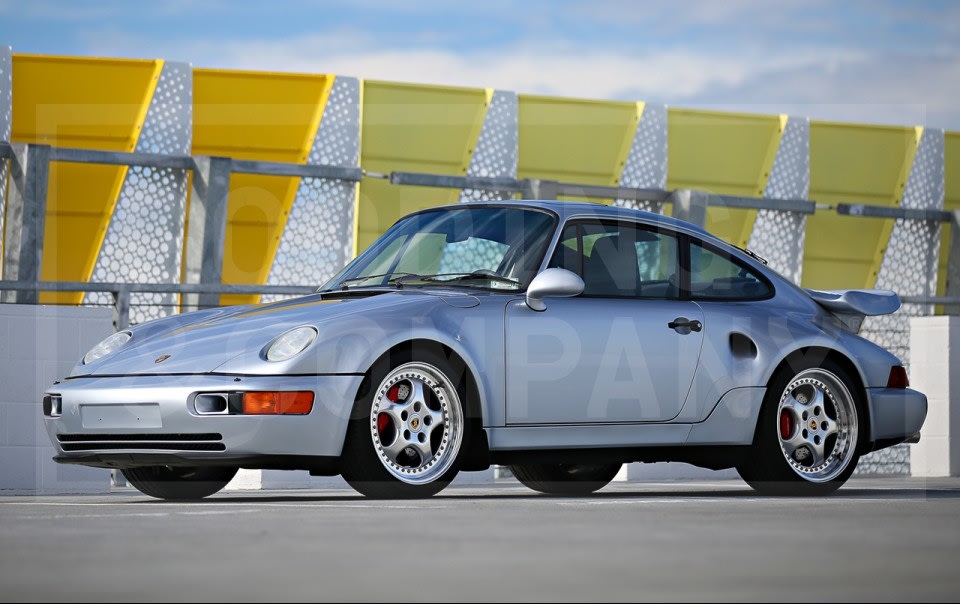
(553, 283)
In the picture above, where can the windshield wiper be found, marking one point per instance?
(455, 277)
(395, 277)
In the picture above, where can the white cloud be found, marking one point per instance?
(554, 68)
(833, 82)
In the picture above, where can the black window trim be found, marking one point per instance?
(684, 242)
(687, 273)
(579, 221)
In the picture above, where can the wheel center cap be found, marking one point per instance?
(813, 424)
(415, 423)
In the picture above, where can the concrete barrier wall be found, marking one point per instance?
(39, 344)
(935, 371)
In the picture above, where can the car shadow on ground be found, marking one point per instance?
(344, 496)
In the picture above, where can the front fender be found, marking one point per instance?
(351, 344)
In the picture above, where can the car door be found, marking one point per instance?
(625, 350)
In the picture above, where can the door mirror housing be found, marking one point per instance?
(553, 283)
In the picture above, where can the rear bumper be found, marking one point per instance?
(97, 425)
(896, 414)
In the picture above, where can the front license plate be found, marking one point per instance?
(136, 415)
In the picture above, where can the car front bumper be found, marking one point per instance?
(135, 420)
(896, 414)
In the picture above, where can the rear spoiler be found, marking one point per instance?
(850, 306)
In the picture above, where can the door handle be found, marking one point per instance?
(684, 323)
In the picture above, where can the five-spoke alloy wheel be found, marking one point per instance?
(808, 437)
(817, 425)
(416, 423)
(408, 428)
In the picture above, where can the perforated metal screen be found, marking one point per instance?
(909, 267)
(646, 165)
(319, 236)
(6, 121)
(778, 236)
(496, 153)
(144, 241)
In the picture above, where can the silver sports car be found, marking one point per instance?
(561, 339)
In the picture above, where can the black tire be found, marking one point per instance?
(179, 483)
(360, 463)
(565, 479)
(766, 468)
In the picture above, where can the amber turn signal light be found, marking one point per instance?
(898, 377)
(277, 403)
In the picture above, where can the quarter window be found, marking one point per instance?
(716, 276)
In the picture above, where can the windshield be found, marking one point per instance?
(484, 247)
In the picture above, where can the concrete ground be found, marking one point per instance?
(876, 539)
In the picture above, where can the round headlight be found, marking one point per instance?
(111, 344)
(291, 343)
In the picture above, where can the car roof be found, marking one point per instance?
(568, 209)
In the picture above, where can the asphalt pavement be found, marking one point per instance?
(894, 539)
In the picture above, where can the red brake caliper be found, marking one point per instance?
(786, 424)
(383, 419)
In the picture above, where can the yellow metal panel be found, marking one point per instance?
(83, 103)
(257, 116)
(853, 163)
(413, 128)
(575, 140)
(951, 200)
(724, 153)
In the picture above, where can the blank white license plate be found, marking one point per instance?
(135, 415)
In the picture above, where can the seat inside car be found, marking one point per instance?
(611, 268)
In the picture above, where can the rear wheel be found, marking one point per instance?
(174, 482)
(809, 433)
(407, 431)
(565, 479)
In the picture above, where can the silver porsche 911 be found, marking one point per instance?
(561, 339)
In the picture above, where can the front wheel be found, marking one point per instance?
(809, 433)
(174, 482)
(565, 479)
(406, 434)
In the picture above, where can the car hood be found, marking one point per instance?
(203, 341)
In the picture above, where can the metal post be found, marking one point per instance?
(203, 261)
(121, 307)
(953, 265)
(535, 188)
(690, 206)
(26, 218)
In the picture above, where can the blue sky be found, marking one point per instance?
(872, 61)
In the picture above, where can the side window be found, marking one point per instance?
(621, 260)
(714, 276)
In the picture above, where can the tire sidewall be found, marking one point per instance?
(163, 482)
(767, 470)
(361, 466)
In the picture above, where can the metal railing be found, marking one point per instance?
(204, 247)
(121, 292)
